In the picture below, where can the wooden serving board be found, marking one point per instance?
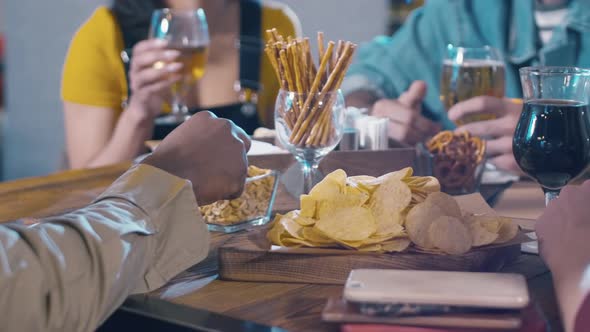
(248, 257)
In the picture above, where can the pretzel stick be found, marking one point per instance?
(299, 129)
(309, 59)
(296, 134)
(287, 73)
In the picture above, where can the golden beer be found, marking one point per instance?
(471, 78)
(194, 61)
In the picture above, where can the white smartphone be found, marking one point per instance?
(403, 292)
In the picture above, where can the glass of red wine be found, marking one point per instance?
(552, 139)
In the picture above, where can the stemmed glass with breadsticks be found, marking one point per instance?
(309, 111)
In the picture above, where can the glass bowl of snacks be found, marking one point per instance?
(252, 208)
(456, 160)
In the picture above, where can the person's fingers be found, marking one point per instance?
(151, 75)
(245, 138)
(496, 147)
(424, 126)
(414, 96)
(150, 44)
(155, 58)
(481, 104)
(161, 86)
(488, 128)
(506, 162)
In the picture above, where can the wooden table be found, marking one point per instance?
(295, 307)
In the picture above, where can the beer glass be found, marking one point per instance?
(471, 72)
(187, 32)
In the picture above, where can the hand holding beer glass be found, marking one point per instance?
(187, 32)
(468, 73)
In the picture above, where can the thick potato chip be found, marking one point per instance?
(418, 223)
(348, 224)
(508, 230)
(446, 203)
(490, 223)
(396, 245)
(450, 235)
(480, 235)
(308, 206)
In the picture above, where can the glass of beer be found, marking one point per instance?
(551, 143)
(187, 32)
(471, 72)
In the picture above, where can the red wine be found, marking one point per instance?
(552, 141)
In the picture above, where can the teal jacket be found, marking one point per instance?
(388, 65)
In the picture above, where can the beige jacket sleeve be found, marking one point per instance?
(70, 272)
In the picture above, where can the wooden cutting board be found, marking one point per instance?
(248, 257)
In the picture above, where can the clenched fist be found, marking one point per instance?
(208, 151)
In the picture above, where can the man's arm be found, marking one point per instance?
(69, 273)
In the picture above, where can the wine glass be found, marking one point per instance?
(187, 32)
(471, 72)
(310, 127)
(552, 139)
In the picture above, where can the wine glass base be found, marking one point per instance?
(292, 178)
(171, 119)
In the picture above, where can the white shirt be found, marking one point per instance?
(547, 21)
(70, 272)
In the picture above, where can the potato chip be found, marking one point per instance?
(402, 174)
(418, 223)
(392, 226)
(291, 242)
(356, 195)
(348, 224)
(364, 182)
(480, 235)
(330, 186)
(276, 231)
(450, 235)
(304, 221)
(508, 230)
(392, 197)
(291, 226)
(371, 248)
(308, 206)
(396, 245)
(313, 235)
(446, 203)
(490, 223)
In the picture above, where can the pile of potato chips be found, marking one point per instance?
(385, 214)
(253, 202)
(438, 223)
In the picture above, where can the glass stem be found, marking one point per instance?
(308, 169)
(550, 195)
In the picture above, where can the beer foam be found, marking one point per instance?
(474, 63)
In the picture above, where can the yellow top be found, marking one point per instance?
(94, 74)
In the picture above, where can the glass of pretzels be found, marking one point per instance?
(457, 161)
(309, 111)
